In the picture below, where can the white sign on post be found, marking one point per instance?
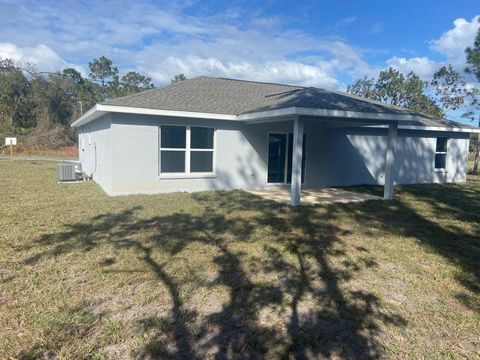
(10, 141)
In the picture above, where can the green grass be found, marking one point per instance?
(229, 275)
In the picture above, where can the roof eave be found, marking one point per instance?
(261, 116)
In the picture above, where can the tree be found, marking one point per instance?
(450, 87)
(73, 75)
(178, 77)
(133, 82)
(393, 88)
(40, 107)
(85, 92)
(363, 87)
(462, 90)
(55, 100)
(103, 71)
(14, 91)
(114, 88)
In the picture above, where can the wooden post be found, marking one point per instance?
(390, 161)
(297, 149)
(11, 151)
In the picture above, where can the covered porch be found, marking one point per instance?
(293, 161)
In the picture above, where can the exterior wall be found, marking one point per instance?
(136, 156)
(95, 151)
(128, 155)
(342, 157)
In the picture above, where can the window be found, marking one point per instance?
(173, 147)
(186, 150)
(441, 153)
(201, 144)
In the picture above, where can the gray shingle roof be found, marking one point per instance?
(236, 97)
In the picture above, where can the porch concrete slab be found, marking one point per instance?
(315, 196)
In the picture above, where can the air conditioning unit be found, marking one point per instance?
(69, 172)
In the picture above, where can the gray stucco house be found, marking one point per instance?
(215, 133)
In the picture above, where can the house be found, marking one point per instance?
(216, 133)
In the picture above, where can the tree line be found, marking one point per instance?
(449, 89)
(39, 107)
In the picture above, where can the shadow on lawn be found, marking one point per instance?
(333, 322)
(460, 246)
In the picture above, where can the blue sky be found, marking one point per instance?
(315, 43)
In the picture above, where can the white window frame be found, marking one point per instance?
(188, 150)
(444, 169)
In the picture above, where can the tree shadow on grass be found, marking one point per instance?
(450, 227)
(311, 313)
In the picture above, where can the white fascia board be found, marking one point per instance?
(431, 128)
(297, 111)
(440, 128)
(259, 116)
(174, 113)
(354, 114)
(90, 115)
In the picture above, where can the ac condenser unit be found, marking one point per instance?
(69, 172)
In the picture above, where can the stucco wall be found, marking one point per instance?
(357, 156)
(136, 157)
(334, 156)
(95, 151)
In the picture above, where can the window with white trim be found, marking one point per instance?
(186, 150)
(441, 153)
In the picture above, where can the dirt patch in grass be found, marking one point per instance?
(230, 275)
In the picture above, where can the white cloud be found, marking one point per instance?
(422, 66)
(41, 57)
(344, 22)
(44, 58)
(287, 72)
(453, 42)
(377, 28)
(161, 41)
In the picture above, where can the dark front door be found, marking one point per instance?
(280, 154)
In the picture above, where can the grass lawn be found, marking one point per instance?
(229, 275)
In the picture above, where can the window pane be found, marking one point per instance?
(441, 144)
(201, 138)
(440, 161)
(172, 161)
(173, 136)
(201, 161)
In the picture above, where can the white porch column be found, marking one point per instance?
(297, 149)
(390, 160)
